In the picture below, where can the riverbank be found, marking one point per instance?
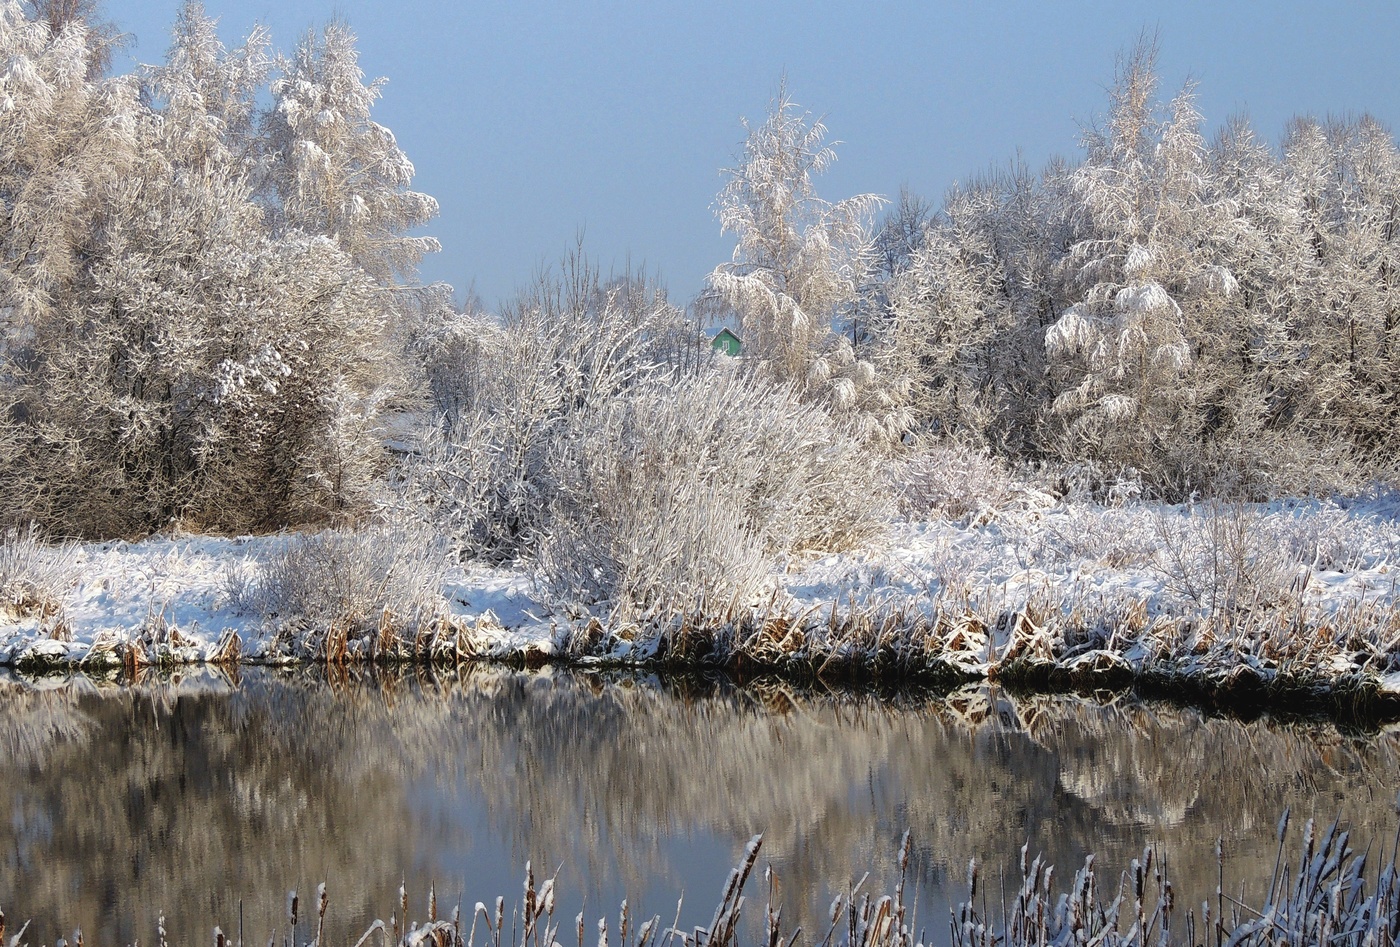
(1291, 603)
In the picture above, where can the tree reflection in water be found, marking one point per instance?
(184, 795)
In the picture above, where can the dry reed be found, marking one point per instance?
(1329, 895)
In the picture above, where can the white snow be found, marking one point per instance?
(1120, 575)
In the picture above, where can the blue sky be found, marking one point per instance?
(532, 121)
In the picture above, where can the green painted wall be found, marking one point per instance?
(726, 342)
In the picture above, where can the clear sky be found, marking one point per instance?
(531, 121)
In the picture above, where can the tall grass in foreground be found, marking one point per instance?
(1320, 899)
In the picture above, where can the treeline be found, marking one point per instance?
(1207, 315)
(209, 308)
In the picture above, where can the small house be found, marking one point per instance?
(727, 342)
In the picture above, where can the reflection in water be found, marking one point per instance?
(183, 797)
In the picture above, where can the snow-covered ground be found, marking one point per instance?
(1292, 586)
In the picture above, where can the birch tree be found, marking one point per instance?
(797, 265)
(332, 170)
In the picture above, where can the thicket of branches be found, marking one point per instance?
(593, 431)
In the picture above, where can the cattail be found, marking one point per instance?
(219, 938)
(547, 897)
(292, 904)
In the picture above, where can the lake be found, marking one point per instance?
(185, 795)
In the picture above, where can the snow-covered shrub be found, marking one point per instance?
(1089, 482)
(955, 482)
(1338, 535)
(1228, 558)
(1119, 538)
(507, 393)
(358, 580)
(672, 494)
(34, 575)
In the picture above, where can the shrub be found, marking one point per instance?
(1227, 558)
(955, 482)
(357, 580)
(674, 493)
(507, 393)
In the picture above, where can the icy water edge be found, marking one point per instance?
(202, 796)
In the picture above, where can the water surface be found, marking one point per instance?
(185, 797)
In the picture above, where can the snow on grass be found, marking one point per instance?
(1305, 588)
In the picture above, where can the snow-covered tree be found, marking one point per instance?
(797, 266)
(964, 312)
(1141, 286)
(64, 139)
(332, 170)
(1346, 180)
(166, 354)
(103, 38)
(207, 95)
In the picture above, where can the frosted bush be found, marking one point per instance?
(1119, 538)
(1331, 537)
(352, 578)
(506, 393)
(954, 482)
(33, 575)
(1227, 558)
(670, 494)
(1089, 482)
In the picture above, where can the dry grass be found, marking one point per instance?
(1329, 895)
(366, 593)
(34, 574)
(953, 482)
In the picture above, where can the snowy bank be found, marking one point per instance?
(1295, 597)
